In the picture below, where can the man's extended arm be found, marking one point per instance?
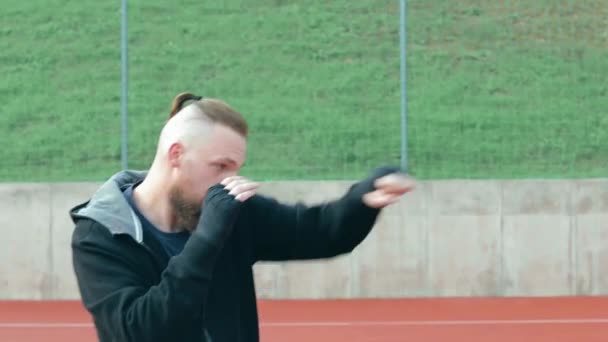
(290, 232)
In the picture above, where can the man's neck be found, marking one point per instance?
(153, 202)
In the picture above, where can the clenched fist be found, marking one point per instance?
(222, 205)
(240, 187)
(388, 190)
(384, 186)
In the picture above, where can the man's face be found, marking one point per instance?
(200, 166)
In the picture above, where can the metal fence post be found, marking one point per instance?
(403, 50)
(123, 97)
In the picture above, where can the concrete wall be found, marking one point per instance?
(448, 238)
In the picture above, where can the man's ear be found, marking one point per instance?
(176, 151)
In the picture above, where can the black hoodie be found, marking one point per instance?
(134, 292)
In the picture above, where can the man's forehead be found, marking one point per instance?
(225, 152)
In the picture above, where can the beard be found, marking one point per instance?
(187, 211)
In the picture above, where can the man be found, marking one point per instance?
(167, 254)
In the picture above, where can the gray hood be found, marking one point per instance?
(109, 207)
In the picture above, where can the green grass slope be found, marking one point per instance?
(496, 89)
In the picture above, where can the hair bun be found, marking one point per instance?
(180, 99)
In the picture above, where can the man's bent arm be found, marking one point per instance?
(118, 297)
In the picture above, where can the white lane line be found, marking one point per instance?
(42, 325)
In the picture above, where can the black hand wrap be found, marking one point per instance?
(367, 185)
(220, 211)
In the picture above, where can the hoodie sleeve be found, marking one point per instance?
(124, 302)
(289, 232)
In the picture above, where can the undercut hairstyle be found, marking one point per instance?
(215, 110)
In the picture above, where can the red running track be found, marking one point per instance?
(580, 319)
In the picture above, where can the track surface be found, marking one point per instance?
(581, 319)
